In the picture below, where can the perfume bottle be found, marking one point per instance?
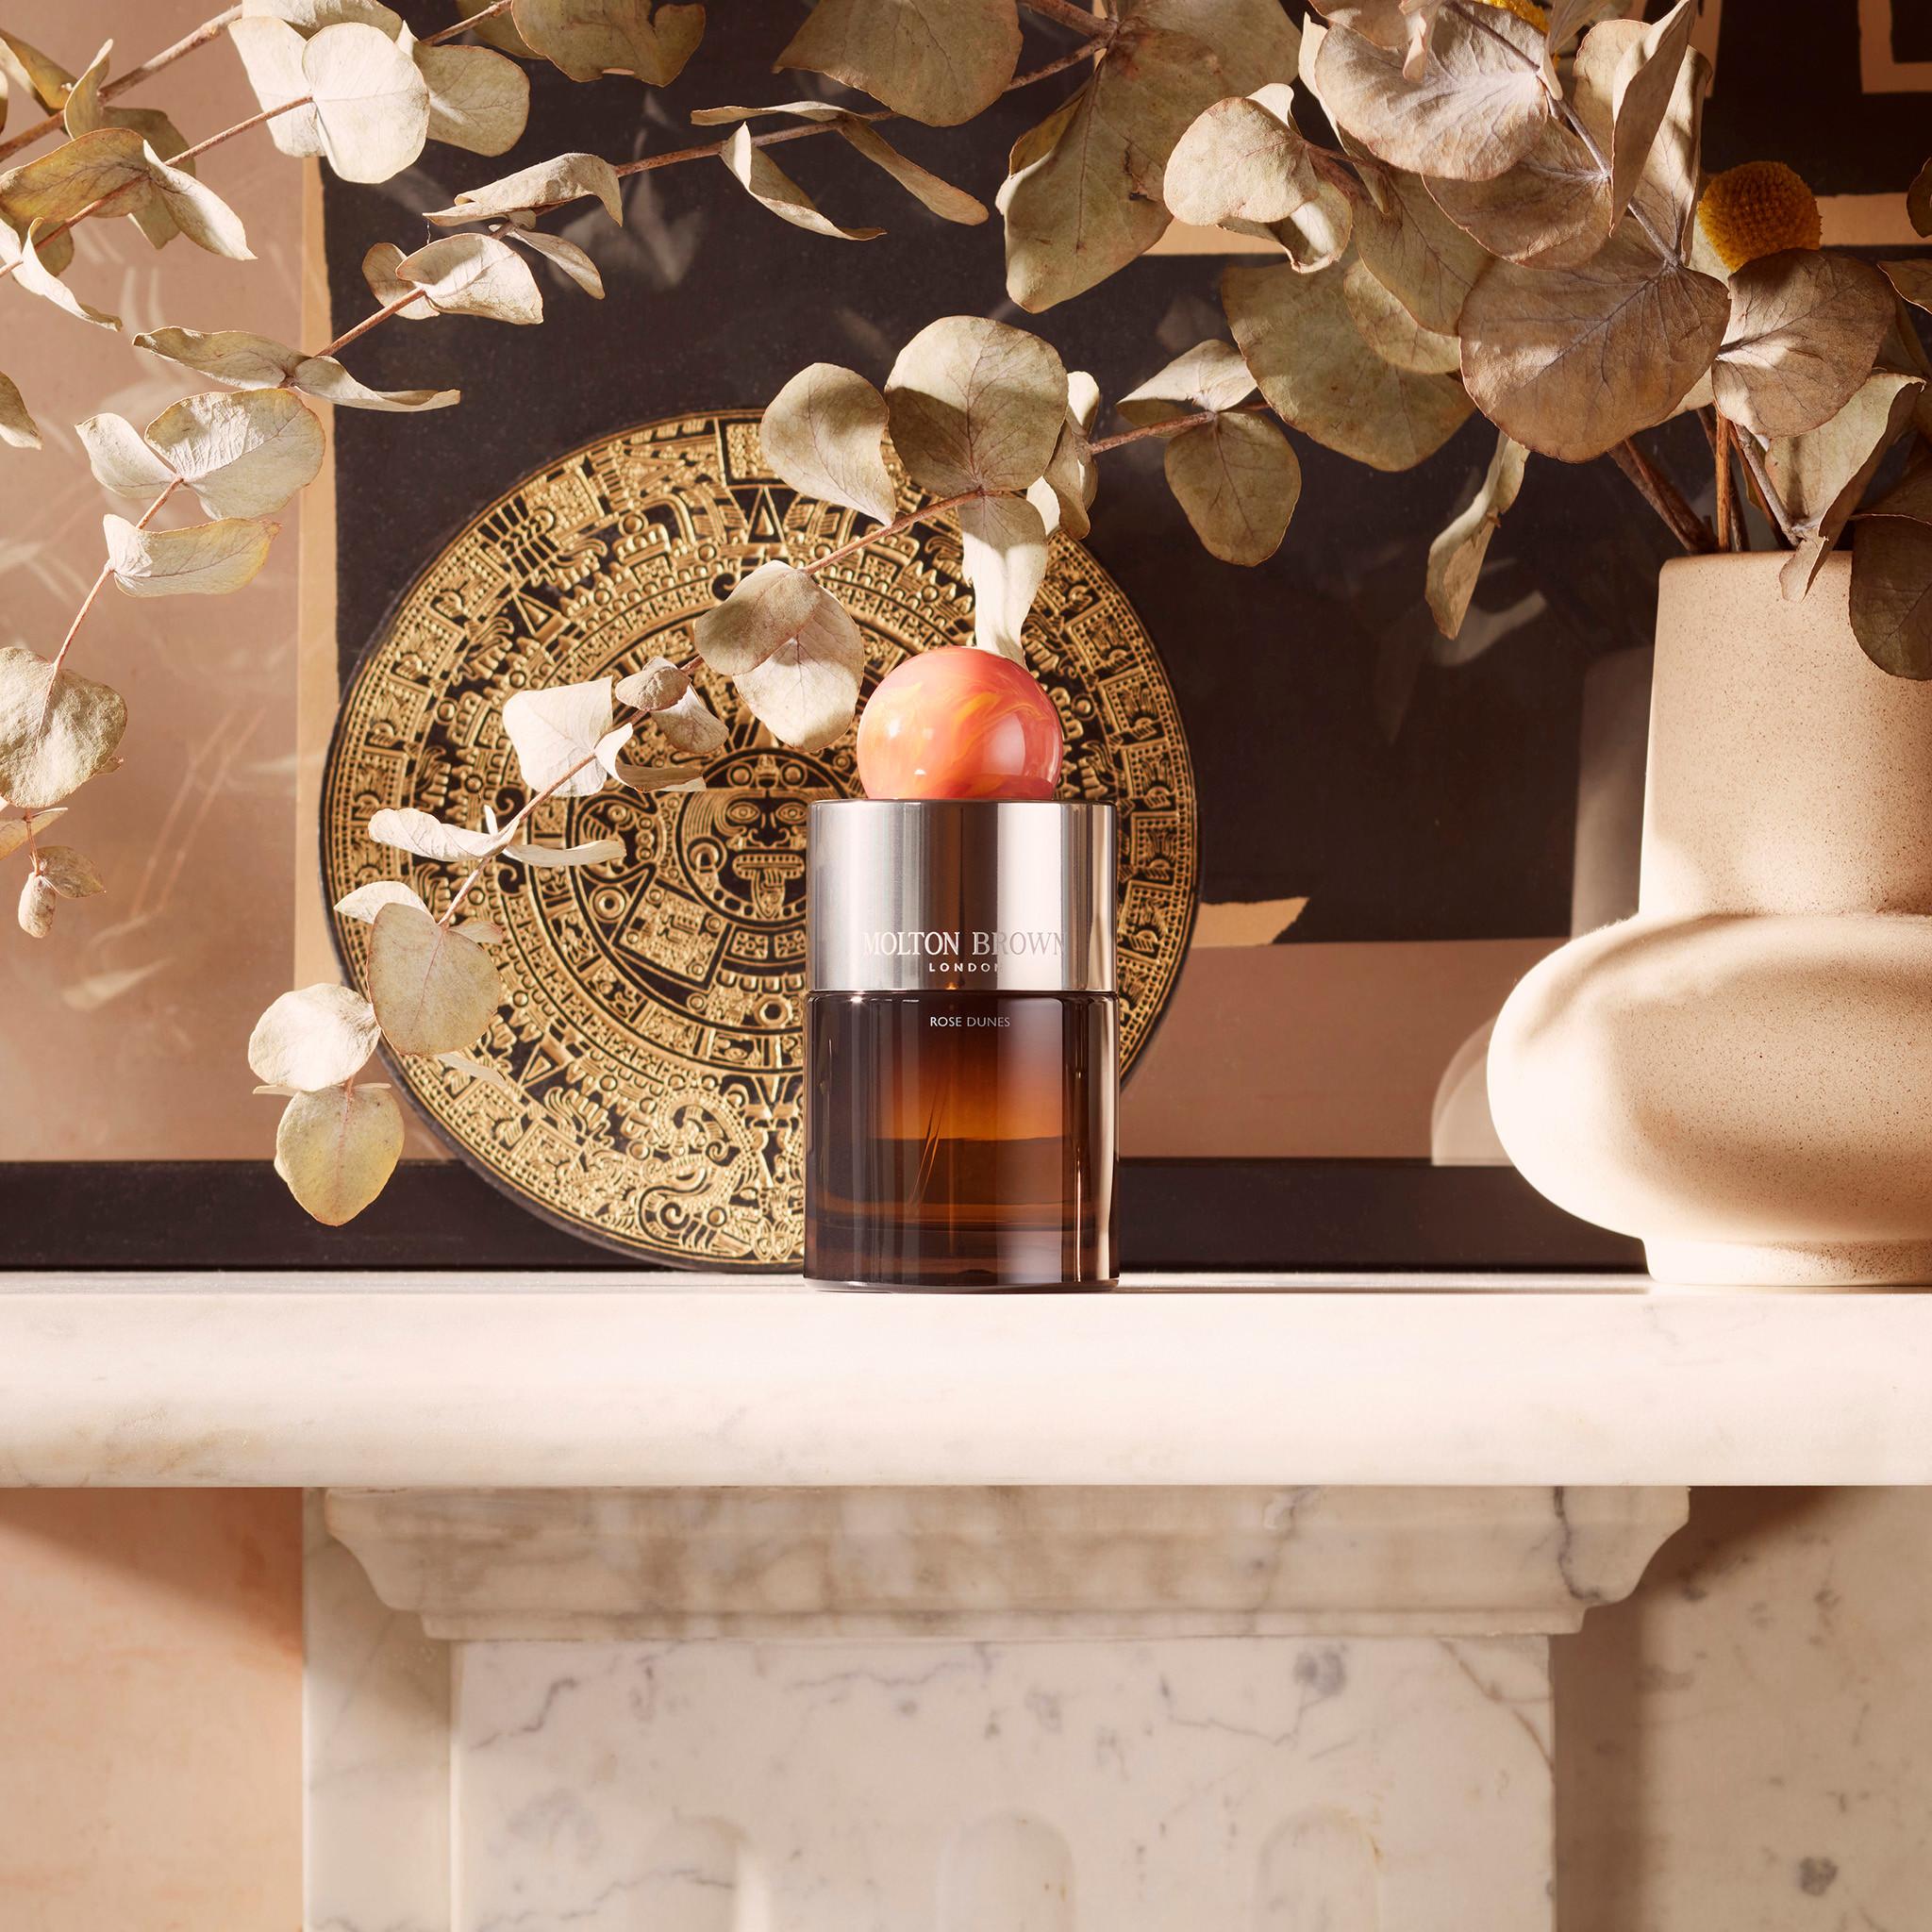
(961, 1043)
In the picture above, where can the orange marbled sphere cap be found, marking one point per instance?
(959, 723)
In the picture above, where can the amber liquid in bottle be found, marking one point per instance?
(961, 1141)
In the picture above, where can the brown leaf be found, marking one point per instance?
(411, 830)
(823, 433)
(1083, 194)
(1238, 160)
(1210, 375)
(38, 901)
(433, 990)
(478, 100)
(1571, 361)
(1392, 331)
(242, 454)
(564, 253)
(766, 182)
(199, 559)
(975, 405)
(586, 38)
(1456, 557)
(545, 184)
(767, 606)
(233, 356)
(940, 61)
(372, 104)
(555, 731)
(473, 275)
(337, 1150)
(1913, 279)
(1318, 375)
(56, 730)
(16, 426)
(1645, 80)
(1552, 209)
(1891, 593)
(1254, 40)
(1237, 479)
(806, 691)
(1804, 329)
(1919, 200)
(1478, 108)
(105, 172)
(1822, 475)
(1412, 247)
(70, 873)
(365, 902)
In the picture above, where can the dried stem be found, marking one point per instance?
(1728, 519)
(206, 31)
(368, 323)
(1769, 500)
(1081, 19)
(100, 583)
(464, 26)
(1087, 50)
(1664, 497)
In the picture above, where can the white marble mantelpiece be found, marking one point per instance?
(660, 1604)
(481, 1382)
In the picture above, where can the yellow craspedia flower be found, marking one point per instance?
(1524, 10)
(1758, 209)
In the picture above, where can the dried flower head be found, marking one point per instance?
(1758, 209)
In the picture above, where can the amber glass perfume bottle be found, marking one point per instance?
(961, 1044)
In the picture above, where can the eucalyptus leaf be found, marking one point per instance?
(1003, 540)
(14, 833)
(940, 61)
(766, 182)
(105, 173)
(1071, 477)
(1919, 200)
(34, 277)
(496, 30)
(1476, 108)
(587, 38)
(337, 1150)
(325, 378)
(37, 72)
(121, 458)
(233, 356)
(1640, 94)
(1210, 375)
(71, 873)
(690, 726)
(1552, 209)
(975, 405)
(1392, 331)
(1456, 557)
(1317, 373)
(271, 52)
(484, 1071)
(433, 990)
(365, 902)
(658, 685)
(555, 731)
(806, 691)
(546, 183)
(949, 203)
(310, 16)
(429, 837)
(823, 433)
(1913, 279)
(37, 903)
(197, 211)
(766, 608)
(1571, 361)
(563, 254)
(1413, 248)
(1254, 42)
(1238, 161)
(379, 266)
(203, 560)
(1083, 195)
(1804, 329)
(593, 851)
(56, 730)
(473, 275)
(478, 100)
(1891, 593)
(244, 453)
(1237, 479)
(372, 104)
(315, 1038)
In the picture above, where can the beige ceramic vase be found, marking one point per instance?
(1742, 1075)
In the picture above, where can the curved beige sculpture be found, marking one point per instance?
(1742, 1075)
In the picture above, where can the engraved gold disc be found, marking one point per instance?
(654, 1003)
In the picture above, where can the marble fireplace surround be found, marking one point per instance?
(665, 1605)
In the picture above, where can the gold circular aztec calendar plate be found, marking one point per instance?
(653, 1004)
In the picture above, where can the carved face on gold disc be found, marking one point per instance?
(653, 1004)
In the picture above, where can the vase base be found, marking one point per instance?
(1808, 1265)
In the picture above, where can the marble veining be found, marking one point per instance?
(1011, 1562)
(1325, 1786)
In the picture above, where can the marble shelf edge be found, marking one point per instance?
(319, 1382)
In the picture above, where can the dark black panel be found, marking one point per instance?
(1174, 1215)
